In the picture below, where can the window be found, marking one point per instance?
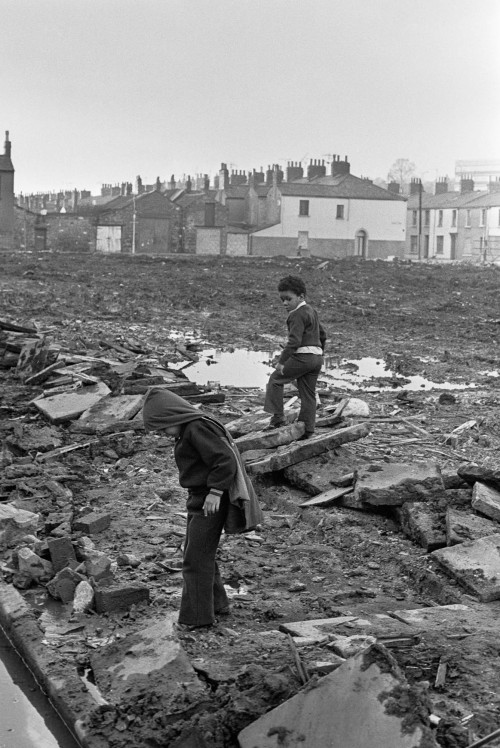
(439, 245)
(414, 218)
(467, 219)
(483, 217)
(453, 217)
(427, 218)
(414, 244)
(303, 207)
(499, 217)
(440, 217)
(340, 211)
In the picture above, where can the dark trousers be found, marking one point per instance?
(305, 368)
(203, 593)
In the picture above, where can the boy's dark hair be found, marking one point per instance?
(294, 284)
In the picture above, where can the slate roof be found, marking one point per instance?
(238, 191)
(345, 186)
(486, 200)
(192, 197)
(448, 200)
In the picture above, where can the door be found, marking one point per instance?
(153, 235)
(453, 246)
(109, 239)
(361, 244)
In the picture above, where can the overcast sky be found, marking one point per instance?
(97, 91)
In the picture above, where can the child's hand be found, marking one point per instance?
(279, 368)
(211, 505)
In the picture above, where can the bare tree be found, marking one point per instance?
(401, 172)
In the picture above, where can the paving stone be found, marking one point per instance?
(304, 450)
(423, 525)
(486, 500)
(462, 526)
(475, 565)
(348, 646)
(328, 714)
(270, 439)
(70, 405)
(318, 629)
(92, 523)
(438, 617)
(397, 483)
(110, 409)
(120, 597)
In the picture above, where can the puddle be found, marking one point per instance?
(251, 369)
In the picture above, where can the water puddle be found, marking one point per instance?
(251, 369)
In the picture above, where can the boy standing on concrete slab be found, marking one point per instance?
(301, 359)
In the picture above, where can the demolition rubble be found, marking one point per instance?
(316, 651)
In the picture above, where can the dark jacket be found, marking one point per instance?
(304, 328)
(203, 459)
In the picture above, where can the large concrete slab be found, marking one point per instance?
(475, 565)
(151, 656)
(70, 405)
(486, 499)
(320, 473)
(110, 409)
(309, 448)
(472, 473)
(462, 526)
(439, 617)
(395, 483)
(365, 702)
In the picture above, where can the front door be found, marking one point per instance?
(361, 244)
(453, 246)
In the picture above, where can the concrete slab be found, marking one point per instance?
(486, 499)
(423, 524)
(320, 473)
(439, 617)
(318, 629)
(70, 405)
(110, 409)
(475, 565)
(309, 448)
(152, 655)
(395, 483)
(327, 497)
(365, 702)
(462, 526)
(472, 473)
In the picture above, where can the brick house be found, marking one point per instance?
(203, 220)
(330, 215)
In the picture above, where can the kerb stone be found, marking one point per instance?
(109, 599)
(92, 523)
(486, 500)
(475, 565)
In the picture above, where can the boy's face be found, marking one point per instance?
(291, 300)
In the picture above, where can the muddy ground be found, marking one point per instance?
(441, 322)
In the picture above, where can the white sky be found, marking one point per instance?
(97, 91)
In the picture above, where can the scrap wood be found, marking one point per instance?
(485, 740)
(13, 327)
(76, 375)
(301, 668)
(327, 497)
(43, 457)
(43, 374)
(441, 673)
(115, 347)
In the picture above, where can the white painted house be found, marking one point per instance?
(339, 215)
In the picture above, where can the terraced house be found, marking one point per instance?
(453, 225)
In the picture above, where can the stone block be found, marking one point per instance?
(83, 598)
(98, 566)
(396, 483)
(62, 553)
(15, 524)
(474, 565)
(320, 473)
(452, 479)
(462, 526)
(472, 473)
(348, 646)
(63, 585)
(424, 525)
(486, 500)
(394, 714)
(120, 597)
(32, 565)
(70, 405)
(92, 523)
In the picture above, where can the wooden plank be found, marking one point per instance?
(299, 451)
(327, 497)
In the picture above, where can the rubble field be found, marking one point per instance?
(380, 550)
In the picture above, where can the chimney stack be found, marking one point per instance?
(223, 177)
(466, 185)
(394, 187)
(340, 167)
(441, 186)
(206, 183)
(316, 168)
(415, 186)
(189, 184)
(7, 145)
(294, 171)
